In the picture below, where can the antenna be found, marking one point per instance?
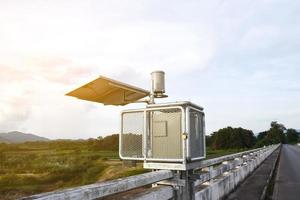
(111, 92)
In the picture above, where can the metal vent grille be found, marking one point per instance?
(132, 131)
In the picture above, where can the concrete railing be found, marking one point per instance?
(209, 179)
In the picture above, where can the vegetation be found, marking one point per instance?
(35, 167)
(277, 134)
(239, 138)
(214, 153)
(292, 136)
(41, 166)
(232, 138)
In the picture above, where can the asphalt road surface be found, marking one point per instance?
(287, 183)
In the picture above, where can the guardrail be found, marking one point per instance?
(209, 179)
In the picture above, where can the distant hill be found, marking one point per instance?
(3, 140)
(19, 137)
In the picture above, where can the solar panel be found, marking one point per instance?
(109, 92)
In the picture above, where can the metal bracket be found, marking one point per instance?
(173, 182)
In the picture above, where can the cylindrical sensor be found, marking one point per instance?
(158, 83)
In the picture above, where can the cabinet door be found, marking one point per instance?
(166, 130)
(131, 135)
(196, 134)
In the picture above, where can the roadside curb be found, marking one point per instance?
(263, 195)
(256, 185)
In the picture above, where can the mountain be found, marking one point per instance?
(19, 137)
(3, 140)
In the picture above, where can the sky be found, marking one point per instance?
(237, 59)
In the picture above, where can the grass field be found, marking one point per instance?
(210, 153)
(27, 169)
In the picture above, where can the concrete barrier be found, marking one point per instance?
(222, 185)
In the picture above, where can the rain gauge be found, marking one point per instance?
(163, 136)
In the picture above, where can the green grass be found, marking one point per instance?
(210, 153)
(34, 170)
(29, 169)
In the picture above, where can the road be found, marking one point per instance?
(287, 183)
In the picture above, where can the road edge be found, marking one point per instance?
(271, 179)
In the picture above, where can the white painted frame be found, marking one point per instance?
(188, 108)
(144, 139)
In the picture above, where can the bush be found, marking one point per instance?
(232, 138)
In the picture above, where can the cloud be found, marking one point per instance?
(56, 69)
(238, 59)
(12, 113)
(27, 89)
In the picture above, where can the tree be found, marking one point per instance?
(262, 135)
(208, 140)
(110, 142)
(292, 136)
(274, 135)
(100, 138)
(229, 137)
(276, 125)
